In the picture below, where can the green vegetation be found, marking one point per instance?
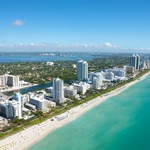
(40, 73)
(106, 63)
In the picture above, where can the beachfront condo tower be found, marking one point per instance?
(58, 92)
(133, 61)
(82, 70)
(137, 62)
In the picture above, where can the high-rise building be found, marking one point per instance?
(58, 92)
(10, 109)
(12, 80)
(133, 61)
(2, 80)
(137, 62)
(82, 70)
(9, 80)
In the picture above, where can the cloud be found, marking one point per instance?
(32, 44)
(18, 23)
(43, 44)
(108, 45)
(57, 47)
(21, 44)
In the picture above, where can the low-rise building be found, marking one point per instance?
(51, 104)
(120, 72)
(74, 65)
(70, 92)
(108, 76)
(81, 87)
(50, 90)
(129, 69)
(41, 102)
(30, 106)
(50, 63)
(38, 101)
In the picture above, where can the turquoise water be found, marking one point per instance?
(120, 123)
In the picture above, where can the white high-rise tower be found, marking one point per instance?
(58, 92)
(82, 70)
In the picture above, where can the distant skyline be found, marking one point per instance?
(75, 25)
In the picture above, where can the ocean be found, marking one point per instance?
(120, 123)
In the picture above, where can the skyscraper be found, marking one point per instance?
(137, 62)
(58, 92)
(10, 109)
(82, 70)
(133, 61)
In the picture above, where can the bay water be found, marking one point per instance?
(40, 58)
(120, 123)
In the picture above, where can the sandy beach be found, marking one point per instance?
(24, 139)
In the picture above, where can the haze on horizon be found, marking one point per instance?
(65, 25)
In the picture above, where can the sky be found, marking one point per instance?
(75, 25)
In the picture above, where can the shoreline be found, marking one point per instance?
(18, 88)
(28, 137)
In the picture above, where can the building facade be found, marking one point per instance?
(58, 92)
(39, 102)
(9, 80)
(120, 72)
(137, 62)
(2, 80)
(96, 79)
(133, 61)
(12, 80)
(82, 70)
(108, 76)
(11, 109)
(129, 69)
(70, 92)
(81, 87)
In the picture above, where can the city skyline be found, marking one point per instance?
(111, 26)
